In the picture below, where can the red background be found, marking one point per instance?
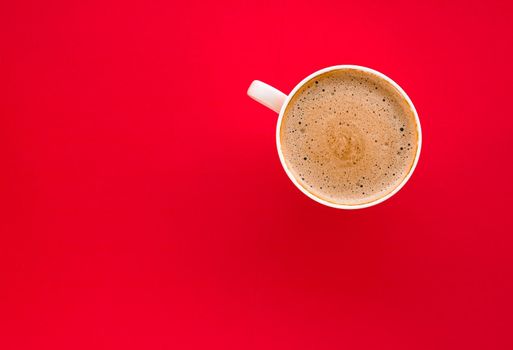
(143, 204)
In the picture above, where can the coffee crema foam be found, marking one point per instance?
(349, 137)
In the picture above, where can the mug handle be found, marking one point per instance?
(267, 95)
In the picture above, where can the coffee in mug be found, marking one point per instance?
(347, 136)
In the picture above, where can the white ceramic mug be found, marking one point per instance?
(278, 101)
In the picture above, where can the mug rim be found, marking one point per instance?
(289, 172)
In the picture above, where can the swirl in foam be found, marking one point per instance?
(349, 137)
